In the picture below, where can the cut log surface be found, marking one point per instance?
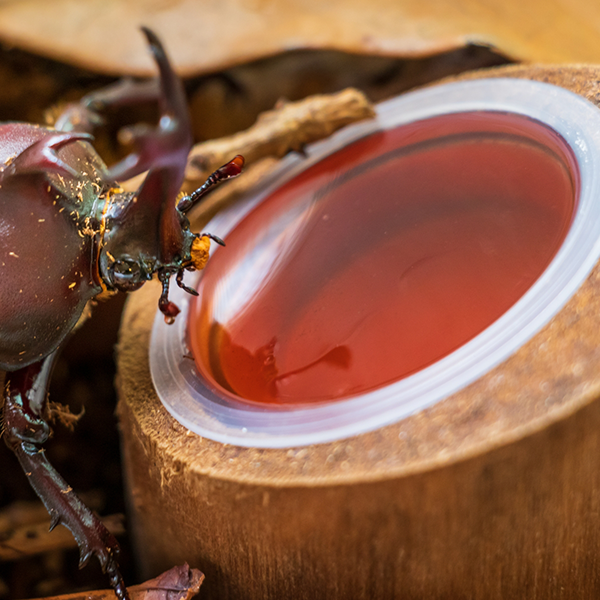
(491, 493)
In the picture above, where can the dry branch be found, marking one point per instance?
(289, 126)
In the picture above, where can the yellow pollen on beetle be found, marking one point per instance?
(199, 252)
(107, 202)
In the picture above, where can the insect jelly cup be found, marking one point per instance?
(397, 263)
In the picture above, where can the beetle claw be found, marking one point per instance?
(84, 558)
(55, 521)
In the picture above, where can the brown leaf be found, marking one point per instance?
(178, 583)
(206, 37)
(32, 538)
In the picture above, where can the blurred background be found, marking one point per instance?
(238, 59)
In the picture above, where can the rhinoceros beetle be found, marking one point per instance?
(68, 233)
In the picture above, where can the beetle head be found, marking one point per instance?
(147, 232)
(143, 234)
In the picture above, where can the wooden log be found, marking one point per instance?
(493, 493)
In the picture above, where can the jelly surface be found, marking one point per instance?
(382, 258)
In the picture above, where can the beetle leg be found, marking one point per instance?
(185, 288)
(25, 431)
(166, 307)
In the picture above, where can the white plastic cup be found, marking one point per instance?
(199, 407)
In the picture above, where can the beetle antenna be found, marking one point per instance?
(213, 237)
(228, 171)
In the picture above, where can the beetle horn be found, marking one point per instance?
(156, 200)
(163, 152)
(146, 224)
(167, 145)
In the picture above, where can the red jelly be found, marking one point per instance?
(382, 258)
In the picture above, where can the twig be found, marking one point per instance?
(289, 126)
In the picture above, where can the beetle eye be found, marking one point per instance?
(126, 275)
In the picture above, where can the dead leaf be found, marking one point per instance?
(206, 37)
(178, 583)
